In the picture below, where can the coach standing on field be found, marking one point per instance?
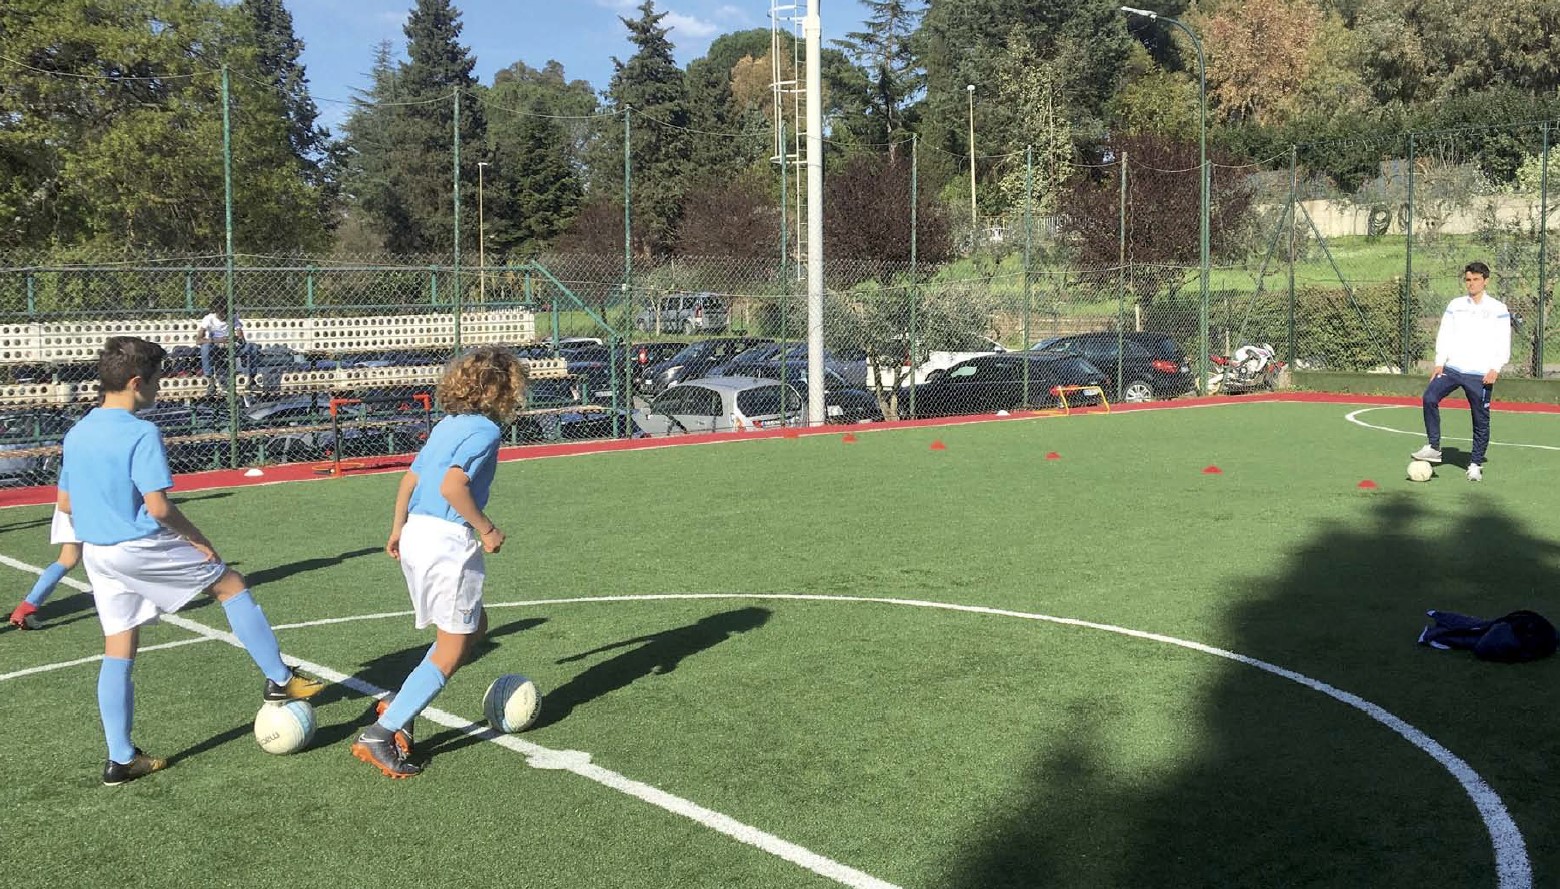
(1474, 343)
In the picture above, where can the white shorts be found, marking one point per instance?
(135, 581)
(444, 572)
(62, 529)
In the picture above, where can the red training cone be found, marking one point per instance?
(1369, 485)
(937, 445)
(1053, 456)
(1212, 470)
(848, 438)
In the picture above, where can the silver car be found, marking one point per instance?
(686, 313)
(721, 404)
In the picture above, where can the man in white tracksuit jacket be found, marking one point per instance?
(1474, 343)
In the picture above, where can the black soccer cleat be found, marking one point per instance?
(403, 736)
(117, 773)
(384, 754)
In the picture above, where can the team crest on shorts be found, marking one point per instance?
(465, 614)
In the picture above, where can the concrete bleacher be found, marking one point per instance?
(60, 342)
(78, 342)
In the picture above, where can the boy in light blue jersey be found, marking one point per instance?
(439, 533)
(143, 556)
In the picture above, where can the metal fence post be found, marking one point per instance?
(1294, 196)
(227, 206)
(1029, 219)
(1408, 260)
(1541, 328)
(455, 268)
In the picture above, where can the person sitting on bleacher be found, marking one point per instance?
(213, 331)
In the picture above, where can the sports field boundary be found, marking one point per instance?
(39, 495)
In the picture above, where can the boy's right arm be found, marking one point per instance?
(403, 501)
(159, 507)
(62, 502)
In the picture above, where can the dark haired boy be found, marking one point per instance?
(1471, 347)
(143, 557)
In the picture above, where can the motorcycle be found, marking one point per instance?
(1252, 368)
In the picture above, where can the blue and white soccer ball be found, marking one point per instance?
(286, 727)
(511, 703)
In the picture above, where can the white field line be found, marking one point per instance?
(49, 668)
(1513, 869)
(1354, 417)
(537, 756)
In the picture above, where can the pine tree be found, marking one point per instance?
(884, 50)
(371, 169)
(422, 130)
(538, 189)
(650, 87)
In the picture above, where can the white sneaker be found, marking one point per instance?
(1427, 454)
(1475, 474)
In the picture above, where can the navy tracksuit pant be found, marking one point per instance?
(1478, 394)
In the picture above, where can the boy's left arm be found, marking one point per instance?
(159, 507)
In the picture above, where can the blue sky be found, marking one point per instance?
(340, 35)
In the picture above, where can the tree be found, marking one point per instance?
(538, 191)
(735, 217)
(1163, 207)
(1029, 94)
(1087, 39)
(1259, 53)
(718, 110)
(866, 212)
(649, 87)
(884, 51)
(112, 133)
(372, 174)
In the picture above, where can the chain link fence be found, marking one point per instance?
(1330, 265)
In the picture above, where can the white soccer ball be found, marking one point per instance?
(1420, 471)
(511, 703)
(286, 727)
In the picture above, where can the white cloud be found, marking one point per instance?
(689, 26)
(396, 17)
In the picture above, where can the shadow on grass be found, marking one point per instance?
(1262, 782)
(653, 654)
(390, 670)
(281, 572)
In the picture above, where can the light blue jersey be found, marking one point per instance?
(112, 460)
(467, 441)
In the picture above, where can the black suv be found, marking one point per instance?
(1151, 365)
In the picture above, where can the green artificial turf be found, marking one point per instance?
(927, 747)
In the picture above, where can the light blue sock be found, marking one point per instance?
(47, 581)
(254, 632)
(116, 703)
(421, 687)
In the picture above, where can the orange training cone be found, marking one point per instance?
(849, 438)
(1368, 485)
(1212, 470)
(937, 445)
(1053, 456)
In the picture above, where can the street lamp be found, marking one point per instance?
(1202, 144)
(974, 223)
(481, 240)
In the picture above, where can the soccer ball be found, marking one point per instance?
(284, 728)
(511, 703)
(1420, 471)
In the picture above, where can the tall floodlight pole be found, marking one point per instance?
(974, 222)
(481, 239)
(1202, 144)
(812, 28)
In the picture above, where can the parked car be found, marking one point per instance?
(556, 426)
(27, 430)
(853, 369)
(694, 361)
(641, 355)
(844, 402)
(993, 383)
(922, 361)
(720, 404)
(683, 313)
(199, 423)
(1151, 365)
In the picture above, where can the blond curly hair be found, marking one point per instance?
(485, 381)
